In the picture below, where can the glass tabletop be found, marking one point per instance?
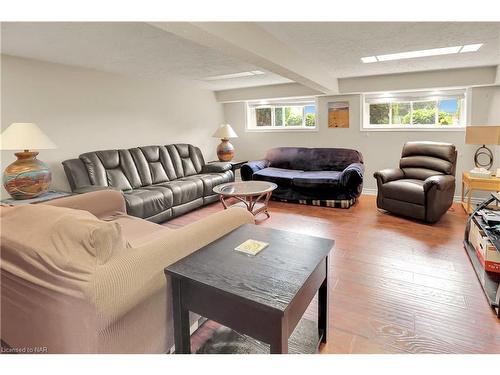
(245, 188)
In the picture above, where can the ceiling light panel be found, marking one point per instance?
(234, 75)
(471, 47)
(369, 59)
(422, 53)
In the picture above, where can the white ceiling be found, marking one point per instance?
(140, 49)
(340, 45)
(134, 48)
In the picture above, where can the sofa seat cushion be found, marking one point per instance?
(210, 180)
(318, 179)
(184, 189)
(138, 232)
(280, 176)
(145, 203)
(407, 190)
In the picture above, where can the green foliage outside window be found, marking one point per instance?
(263, 116)
(293, 116)
(310, 119)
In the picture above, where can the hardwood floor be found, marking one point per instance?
(396, 286)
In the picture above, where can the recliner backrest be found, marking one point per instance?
(114, 168)
(420, 160)
(139, 166)
(313, 159)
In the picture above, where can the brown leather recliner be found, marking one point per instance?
(424, 184)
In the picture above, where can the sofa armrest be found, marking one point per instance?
(441, 182)
(388, 175)
(102, 204)
(248, 169)
(137, 274)
(216, 167)
(352, 176)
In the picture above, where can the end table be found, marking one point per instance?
(470, 184)
(48, 196)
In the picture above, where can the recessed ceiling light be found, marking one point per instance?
(471, 47)
(422, 53)
(369, 59)
(234, 75)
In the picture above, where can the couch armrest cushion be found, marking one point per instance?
(352, 175)
(388, 175)
(123, 282)
(216, 167)
(442, 182)
(248, 169)
(101, 203)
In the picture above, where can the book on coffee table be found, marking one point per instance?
(252, 247)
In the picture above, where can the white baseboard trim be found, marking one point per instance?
(369, 191)
(456, 198)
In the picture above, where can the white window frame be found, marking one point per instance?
(411, 97)
(251, 125)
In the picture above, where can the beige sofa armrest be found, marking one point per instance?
(138, 273)
(102, 203)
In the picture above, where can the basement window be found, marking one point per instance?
(282, 115)
(421, 110)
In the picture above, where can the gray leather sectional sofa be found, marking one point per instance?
(158, 182)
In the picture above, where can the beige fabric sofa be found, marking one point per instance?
(78, 275)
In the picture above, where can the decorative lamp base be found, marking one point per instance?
(225, 150)
(486, 155)
(27, 177)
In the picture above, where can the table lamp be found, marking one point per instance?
(27, 177)
(483, 135)
(225, 150)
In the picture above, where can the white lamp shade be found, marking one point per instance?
(225, 131)
(25, 136)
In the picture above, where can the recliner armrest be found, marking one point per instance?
(388, 175)
(442, 182)
(248, 169)
(216, 167)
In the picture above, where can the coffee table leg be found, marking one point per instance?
(182, 338)
(279, 344)
(323, 306)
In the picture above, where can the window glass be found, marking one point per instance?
(293, 116)
(379, 113)
(449, 111)
(424, 113)
(310, 113)
(278, 116)
(401, 113)
(263, 116)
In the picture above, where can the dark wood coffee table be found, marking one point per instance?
(262, 296)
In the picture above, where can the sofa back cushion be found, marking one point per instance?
(141, 166)
(313, 159)
(420, 160)
(115, 168)
(187, 159)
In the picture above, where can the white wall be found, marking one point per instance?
(380, 149)
(83, 110)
